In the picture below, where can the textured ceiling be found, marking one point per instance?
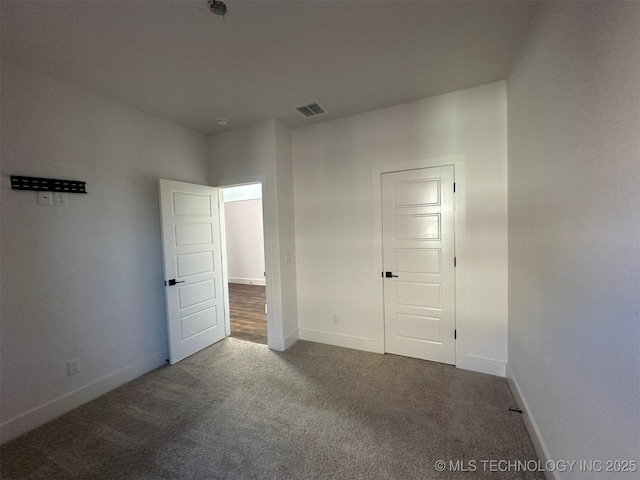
(178, 61)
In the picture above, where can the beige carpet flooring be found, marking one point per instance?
(240, 411)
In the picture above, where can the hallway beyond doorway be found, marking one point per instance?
(248, 318)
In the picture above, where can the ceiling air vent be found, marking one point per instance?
(309, 110)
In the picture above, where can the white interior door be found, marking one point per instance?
(418, 261)
(192, 267)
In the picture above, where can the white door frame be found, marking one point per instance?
(267, 226)
(460, 241)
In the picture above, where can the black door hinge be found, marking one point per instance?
(455, 261)
(455, 334)
(454, 187)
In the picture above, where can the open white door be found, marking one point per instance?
(192, 267)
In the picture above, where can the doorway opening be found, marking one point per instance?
(244, 258)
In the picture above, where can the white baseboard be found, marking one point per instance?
(276, 344)
(248, 281)
(281, 344)
(340, 340)
(40, 415)
(291, 339)
(530, 423)
(481, 365)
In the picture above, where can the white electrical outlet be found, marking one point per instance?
(60, 199)
(334, 318)
(73, 367)
(45, 198)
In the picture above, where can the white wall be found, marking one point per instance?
(83, 281)
(242, 192)
(333, 166)
(245, 241)
(574, 231)
(260, 152)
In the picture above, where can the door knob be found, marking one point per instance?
(389, 275)
(173, 281)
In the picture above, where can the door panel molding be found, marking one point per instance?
(190, 233)
(419, 307)
(458, 162)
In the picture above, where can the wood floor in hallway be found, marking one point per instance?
(248, 320)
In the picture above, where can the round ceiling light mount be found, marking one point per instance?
(217, 7)
(222, 122)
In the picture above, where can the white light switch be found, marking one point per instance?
(45, 198)
(287, 257)
(60, 199)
